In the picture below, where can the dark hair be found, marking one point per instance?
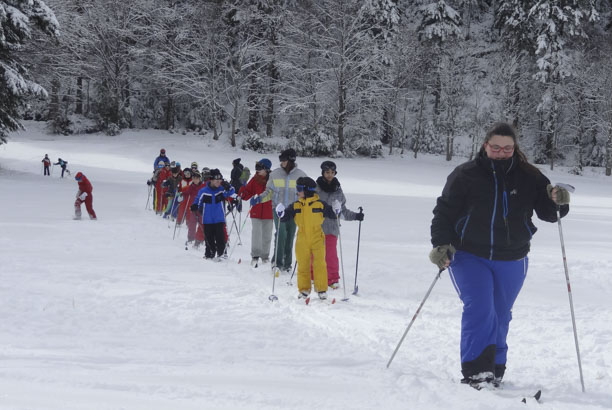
(506, 130)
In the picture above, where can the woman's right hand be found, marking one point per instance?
(442, 255)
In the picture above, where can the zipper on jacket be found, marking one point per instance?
(494, 211)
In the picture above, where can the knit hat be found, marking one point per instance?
(162, 151)
(205, 173)
(328, 165)
(263, 163)
(194, 165)
(236, 162)
(287, 155)
(215, 174)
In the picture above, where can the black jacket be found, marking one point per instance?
(486, 209)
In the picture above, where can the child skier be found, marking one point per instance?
(46, 164)
(160, 198)
(84, 195)
(329, 191)
(195, 231)
(309, 212)
(209, 202)
(260, 213)
(63, 165)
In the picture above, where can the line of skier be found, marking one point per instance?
(284, 198)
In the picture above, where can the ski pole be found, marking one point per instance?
(291, 278)
(275, 270)
(414, 317)
(569, 188)
(345, 299)
(178, 218)
(356, 289)
(148, 197)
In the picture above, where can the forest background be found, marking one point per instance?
(326, 77)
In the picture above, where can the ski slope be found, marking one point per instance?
(114, 314)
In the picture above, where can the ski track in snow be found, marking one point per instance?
(114, 314)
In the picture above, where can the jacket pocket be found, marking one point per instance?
(461, 226)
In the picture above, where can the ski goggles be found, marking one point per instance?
(302, 188)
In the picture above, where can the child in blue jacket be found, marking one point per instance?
(209, 202)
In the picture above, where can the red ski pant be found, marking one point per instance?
(195, 231)
(331, 259)
(88, 205)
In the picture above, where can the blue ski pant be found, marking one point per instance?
(488, 289)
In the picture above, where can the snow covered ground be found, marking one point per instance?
(114, 314)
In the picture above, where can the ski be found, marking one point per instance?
(535, 396)
(326, 301)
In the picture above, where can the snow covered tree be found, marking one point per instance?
(18, 20)
(558, 24)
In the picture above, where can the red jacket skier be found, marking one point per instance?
(84, 195)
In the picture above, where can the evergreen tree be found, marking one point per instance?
(18, 19)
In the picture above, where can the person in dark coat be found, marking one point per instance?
(63, 164)
(46, 164)
(481, 231)
(162, 157)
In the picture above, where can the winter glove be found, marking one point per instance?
(83, 196)
(255, 200)
(337, 206)
(148, 182)
(561, 195)
(194, 207)
(226, 185)
(359, 216)
(280, 210)
(179, 198)
(442, 255)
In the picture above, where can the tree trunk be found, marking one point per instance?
(79, 96)
(252, 103)
(273, 75)
(54, 105)
(341, 115)
(234, 120)
(169, 111)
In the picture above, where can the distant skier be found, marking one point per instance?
(195, 230)
(236, 183)
(162, 157)
(46, 164)
(84, 195)
(260, 213)
(209, 203)
(63, 165)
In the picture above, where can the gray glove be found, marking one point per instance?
(562, 195)
(442, 255)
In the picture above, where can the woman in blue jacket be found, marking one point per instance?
(209, 202)
(481, 231)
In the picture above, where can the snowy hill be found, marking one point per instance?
(114, 314)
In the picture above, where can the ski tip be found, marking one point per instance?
(239, 260)
(334, 301)
(307, 300)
